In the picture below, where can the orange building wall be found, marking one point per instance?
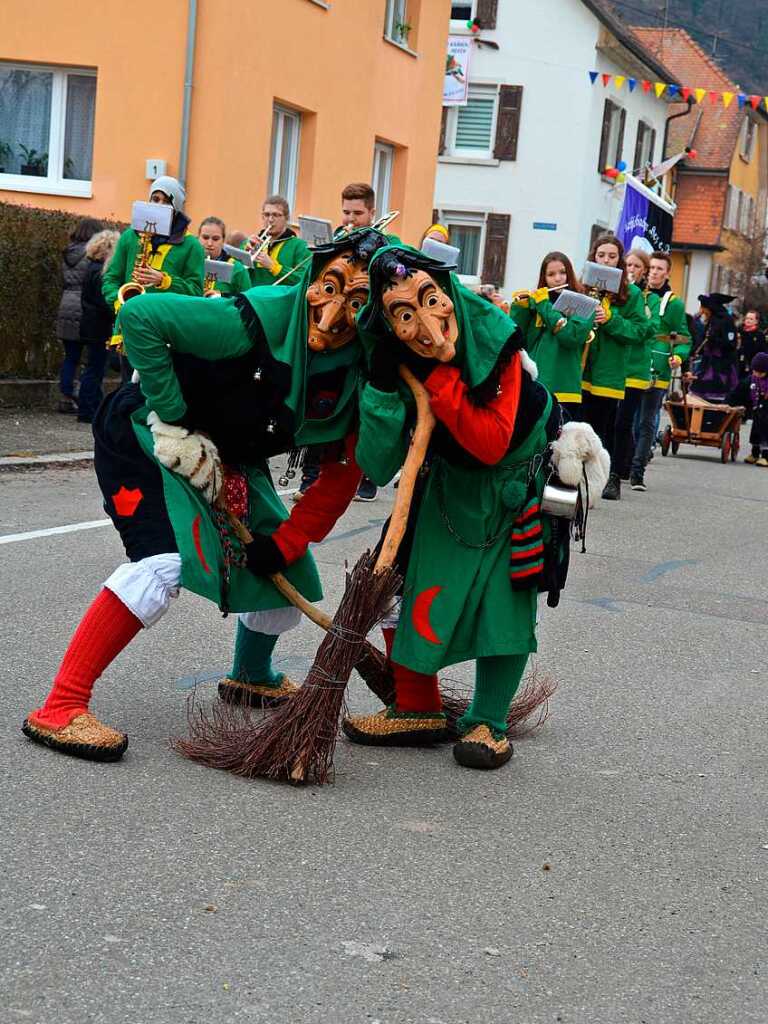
(332, 64)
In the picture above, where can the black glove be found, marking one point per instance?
(384, 362)
(263, 556)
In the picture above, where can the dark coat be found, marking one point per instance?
(73, 267)
(97, 316)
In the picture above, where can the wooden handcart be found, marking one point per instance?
(705, 424)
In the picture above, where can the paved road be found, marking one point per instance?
(613, 872)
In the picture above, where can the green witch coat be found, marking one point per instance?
(214, 329)
(182, 263)
(458, 602)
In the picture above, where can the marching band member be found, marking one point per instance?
(620, 323)
(212, 233)
(554, 341)
(176, 263)
(638, 372)
(279, 249)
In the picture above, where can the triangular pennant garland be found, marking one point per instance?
(619, 80)
(741, 100)
(631, 82)
(659, 88)
(606, 79)
(685, 92)
(593, 75)
(755, 101)
(699, 94)
(727, 99)
(646, 86)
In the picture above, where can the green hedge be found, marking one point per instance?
(31, 246)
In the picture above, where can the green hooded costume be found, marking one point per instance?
(266, 330)
(458, 601)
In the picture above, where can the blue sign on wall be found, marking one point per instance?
(539, 225)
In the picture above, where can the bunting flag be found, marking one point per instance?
(686, 93)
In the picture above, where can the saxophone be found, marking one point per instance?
(594, 293)
(209, 285)
(141, 261)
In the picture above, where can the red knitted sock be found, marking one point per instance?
(414, 691)
(106, 628)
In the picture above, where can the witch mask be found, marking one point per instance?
(422, 316)
(335, 297)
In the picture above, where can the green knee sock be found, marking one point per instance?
(496, 683)
(253, 657)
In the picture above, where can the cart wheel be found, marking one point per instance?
(675, 447)
(735, 445)
(666, 441)
(725, 448)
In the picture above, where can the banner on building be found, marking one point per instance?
(645, 221)
(457, 61)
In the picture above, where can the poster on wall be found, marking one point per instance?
(645, 221)
(457, 61)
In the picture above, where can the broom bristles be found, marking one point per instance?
(297, 741)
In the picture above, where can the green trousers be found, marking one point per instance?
(496, 682)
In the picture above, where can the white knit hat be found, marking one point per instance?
(172, 187)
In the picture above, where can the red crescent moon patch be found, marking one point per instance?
(422, 606)
(198, 544)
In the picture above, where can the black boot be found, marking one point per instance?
(612, 490)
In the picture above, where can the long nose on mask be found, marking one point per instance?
(332, 311)
(431, 326)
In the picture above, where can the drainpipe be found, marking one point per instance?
(673, 117)
(189, 74)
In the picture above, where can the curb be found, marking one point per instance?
(50, 459)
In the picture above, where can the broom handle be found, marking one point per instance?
(425, 424)
(414, 460)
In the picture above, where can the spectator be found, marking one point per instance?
(95, 323)
(73, 266)
(751, 341)
(758, 394)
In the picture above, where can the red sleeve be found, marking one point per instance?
(313, 518)
(484, 432)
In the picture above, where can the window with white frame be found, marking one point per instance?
(396, 25)
(467, 232)
(284, 153)
(644, 147)
(46, 128)
(381, 178)
(470, 130)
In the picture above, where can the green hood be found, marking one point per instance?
(282, 312)
(484, 329)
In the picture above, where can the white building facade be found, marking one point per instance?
(519, 172)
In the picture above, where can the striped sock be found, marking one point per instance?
(526, 556)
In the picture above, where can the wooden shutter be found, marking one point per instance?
(602, 159)
(486, 13)
(443, 126)
(620, 141)
(641, 129)
(495, 254)
(508, 122)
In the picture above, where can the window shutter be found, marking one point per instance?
(620, 141)
(652, 148)
(443, 126)
(508, 122)
(496, 242)
(486, 13)
(638, 146)
(602, 160)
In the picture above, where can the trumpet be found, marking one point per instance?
(264, 238)
(141, 261)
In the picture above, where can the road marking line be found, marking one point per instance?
(92, 524)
